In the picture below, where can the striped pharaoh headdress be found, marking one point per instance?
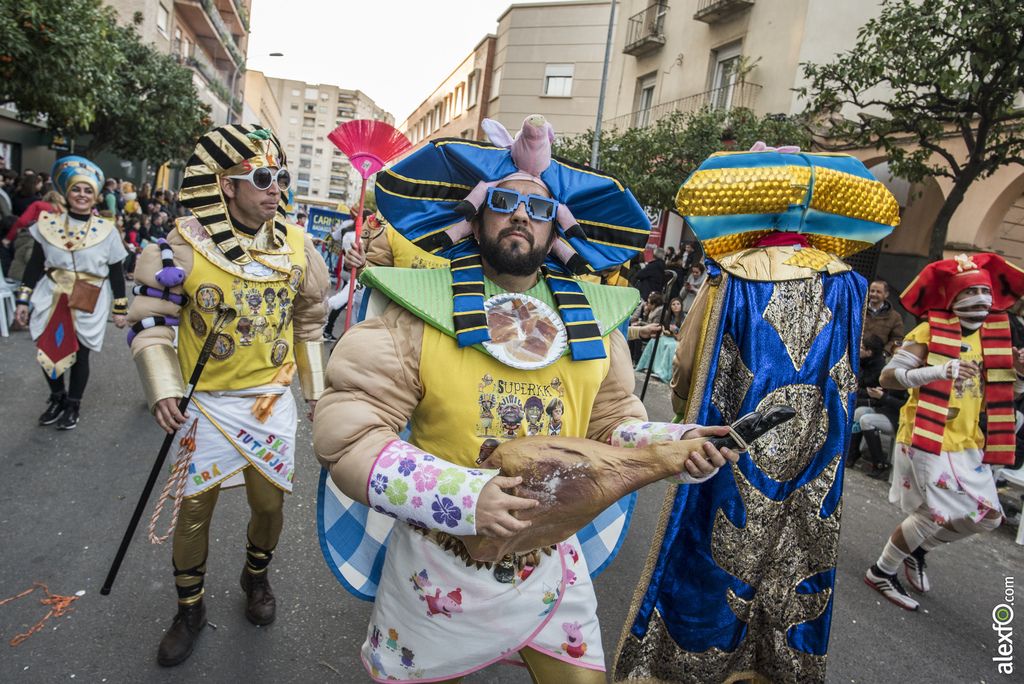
(226, 151)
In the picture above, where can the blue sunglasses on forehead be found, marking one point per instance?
(506, 201)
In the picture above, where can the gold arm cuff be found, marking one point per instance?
(160, 373)
(309, 357)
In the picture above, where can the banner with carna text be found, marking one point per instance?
(320, 224)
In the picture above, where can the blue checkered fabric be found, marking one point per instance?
(354, 538)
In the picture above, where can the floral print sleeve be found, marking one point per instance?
(423, 490)
(636, 434)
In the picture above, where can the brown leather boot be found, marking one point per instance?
(262, 605)
(177, 644)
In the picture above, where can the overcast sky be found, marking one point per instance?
(395, 51)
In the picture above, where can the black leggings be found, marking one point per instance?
(79, 376)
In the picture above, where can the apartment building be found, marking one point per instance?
(548, 60)
(545, 58)
(260, 102)
(209, 36)
(323, 175)
(673, 55)
(457, 106)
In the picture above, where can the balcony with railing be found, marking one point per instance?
(646, 30)
(217, 79)
(740, 94)
(711, 11)
(205, 21)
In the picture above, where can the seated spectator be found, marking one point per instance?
(692, 284)
(881, 319)
(648, 313)
(666, 351)
(878, 409)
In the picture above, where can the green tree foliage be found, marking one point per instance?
(55, 62)
(930, 72)
(70, 64)
(654, 160)
(152, 110)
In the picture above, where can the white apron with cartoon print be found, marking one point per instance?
(471, 403)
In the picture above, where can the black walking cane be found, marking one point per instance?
(665, 312)
(225, 314)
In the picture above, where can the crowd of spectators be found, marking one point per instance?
(142, 215)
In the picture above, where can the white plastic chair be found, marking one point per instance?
(6, 299)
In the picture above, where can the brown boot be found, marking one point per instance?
(262, 604)
(177, 644)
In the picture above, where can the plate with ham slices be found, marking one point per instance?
(525, 332)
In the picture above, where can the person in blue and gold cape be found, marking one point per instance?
(502, 343)
(236, 251)
(73, 279)
(738, 584)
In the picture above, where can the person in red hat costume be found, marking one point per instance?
(957, 365)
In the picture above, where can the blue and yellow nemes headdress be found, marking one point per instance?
(430, 196)
(736, 199)
(70, 170)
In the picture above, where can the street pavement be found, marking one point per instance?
(66, 498)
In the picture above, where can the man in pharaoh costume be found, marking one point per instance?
(505, 327)
(957, 365)
(738, 584)
(237, 251)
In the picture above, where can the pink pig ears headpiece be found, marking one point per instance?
(759, 146)
(531, 154)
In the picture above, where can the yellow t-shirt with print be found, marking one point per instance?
(966, 401)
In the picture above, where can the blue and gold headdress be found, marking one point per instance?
(70, 170)
(735, 199)
(430, 197)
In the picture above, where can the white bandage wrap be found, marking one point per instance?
(904, 366)
(426, 491)
(636, 434)
(972, 320)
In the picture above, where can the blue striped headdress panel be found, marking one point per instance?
(421, 196)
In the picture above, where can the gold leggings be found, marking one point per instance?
(545, 669)
(192, 535)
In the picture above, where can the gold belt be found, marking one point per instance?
(64, 280)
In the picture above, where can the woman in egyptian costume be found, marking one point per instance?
(73, 280)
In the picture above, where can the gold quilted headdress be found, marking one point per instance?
(737, 199)
(227, 151)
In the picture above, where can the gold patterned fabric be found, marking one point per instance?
(739, 581)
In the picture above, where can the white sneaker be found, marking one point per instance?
(889, 587)
(913, 566)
